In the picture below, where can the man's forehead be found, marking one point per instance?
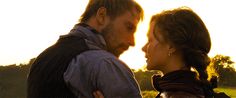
(133, 14)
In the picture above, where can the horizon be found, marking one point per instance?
(29, 27)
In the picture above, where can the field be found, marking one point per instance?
(229, 91)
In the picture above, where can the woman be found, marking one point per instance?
(178, 41)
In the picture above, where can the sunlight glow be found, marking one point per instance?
(211, 14)
(28, 26)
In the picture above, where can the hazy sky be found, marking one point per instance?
(27, 27)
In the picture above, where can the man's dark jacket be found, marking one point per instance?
(45, 79)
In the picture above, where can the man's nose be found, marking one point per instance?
(144, 49)
(132, 41)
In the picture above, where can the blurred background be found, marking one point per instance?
(27, 27)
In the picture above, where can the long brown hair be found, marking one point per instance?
(185, 30)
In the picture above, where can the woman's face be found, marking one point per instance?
(156, 50)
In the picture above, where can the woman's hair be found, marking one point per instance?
(185, 30)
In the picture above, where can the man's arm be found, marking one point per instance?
(114, 79)
(96, 70)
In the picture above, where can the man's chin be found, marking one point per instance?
(117, 54)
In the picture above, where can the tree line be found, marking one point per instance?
(13, 78)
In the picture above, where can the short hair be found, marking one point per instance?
(185, 30)
(114, 8)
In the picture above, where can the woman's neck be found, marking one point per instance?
(174, 63)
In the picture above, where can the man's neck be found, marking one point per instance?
(92, 23)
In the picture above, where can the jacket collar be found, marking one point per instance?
(178, 81)
(93, 38)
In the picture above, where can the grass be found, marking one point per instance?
(149, 94)
(227, 90)
(230, 91)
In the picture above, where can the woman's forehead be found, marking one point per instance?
(151, 29)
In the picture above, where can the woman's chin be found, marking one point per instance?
(150, 67)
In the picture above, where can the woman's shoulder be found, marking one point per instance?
(179, 94)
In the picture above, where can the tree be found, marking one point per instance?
(13, 80)
(144, 79)
(225, 69)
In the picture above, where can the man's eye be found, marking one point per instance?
(130, 27)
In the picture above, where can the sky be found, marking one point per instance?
(27, 27)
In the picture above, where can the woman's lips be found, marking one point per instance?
(146, 58)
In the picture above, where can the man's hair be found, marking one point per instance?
(114, 8)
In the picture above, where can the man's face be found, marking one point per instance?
(119, 33)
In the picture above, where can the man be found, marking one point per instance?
(86, 59)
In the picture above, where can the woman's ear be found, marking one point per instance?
(101, 16)
(171, 50)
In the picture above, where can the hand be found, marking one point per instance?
(98, 94)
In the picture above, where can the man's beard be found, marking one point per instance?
(107, 34)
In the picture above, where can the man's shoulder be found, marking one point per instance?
(102, 58)
(98, 60)
(97, 55)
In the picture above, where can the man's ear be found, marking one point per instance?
(101, 15)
